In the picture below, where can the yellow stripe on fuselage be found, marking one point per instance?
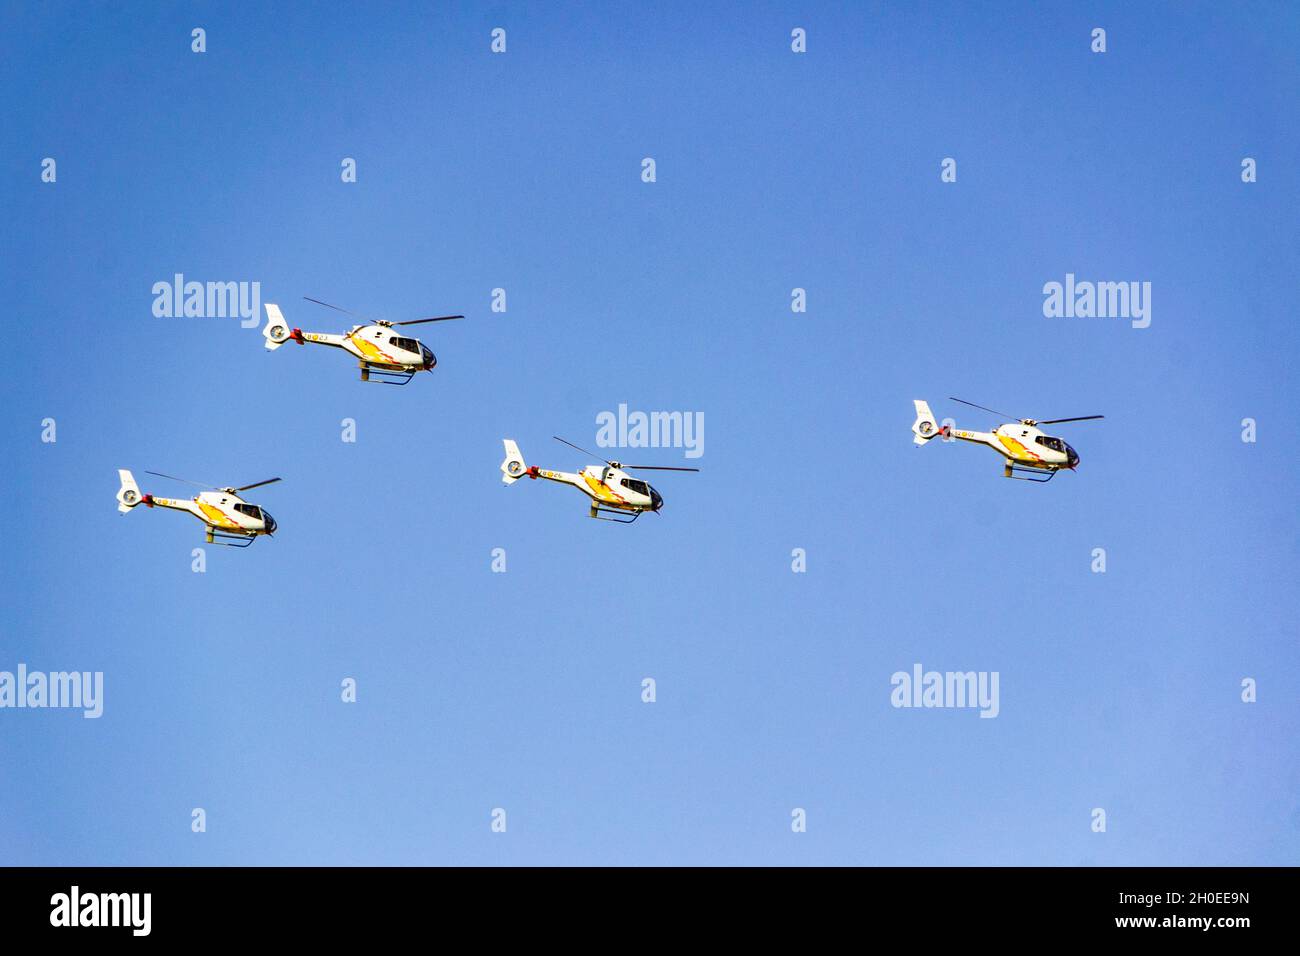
(601, 490)
(215, 516)
(372, 352)
(1016, 450)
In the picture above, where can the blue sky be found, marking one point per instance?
(522, 690)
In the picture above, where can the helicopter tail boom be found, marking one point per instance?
(513, 467)
(128, 496)
(926, 425)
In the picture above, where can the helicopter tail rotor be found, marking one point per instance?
(513, 467)
(129, 495)
(926, 425)
(276, 331)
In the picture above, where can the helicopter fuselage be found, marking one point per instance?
(608, 486)
(1023, 444)
(222, 510)
(379, 346)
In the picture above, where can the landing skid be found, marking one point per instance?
(1010, 469)
(598, 512)
(230, 539)
(383, 376)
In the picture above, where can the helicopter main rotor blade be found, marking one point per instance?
(258, 484)
(1057, 421)
(439, 318)
(336, 308)
(658, 468)
(987, 409)
(580, 448)
(196, 484)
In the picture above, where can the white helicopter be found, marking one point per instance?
(382, 352)
(225, 515)
(1029, 453)
(615, 495)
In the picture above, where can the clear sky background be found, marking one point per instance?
(522, 690)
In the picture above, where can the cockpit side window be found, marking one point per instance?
(631, 484)
(1053, 443)
(253, 511)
